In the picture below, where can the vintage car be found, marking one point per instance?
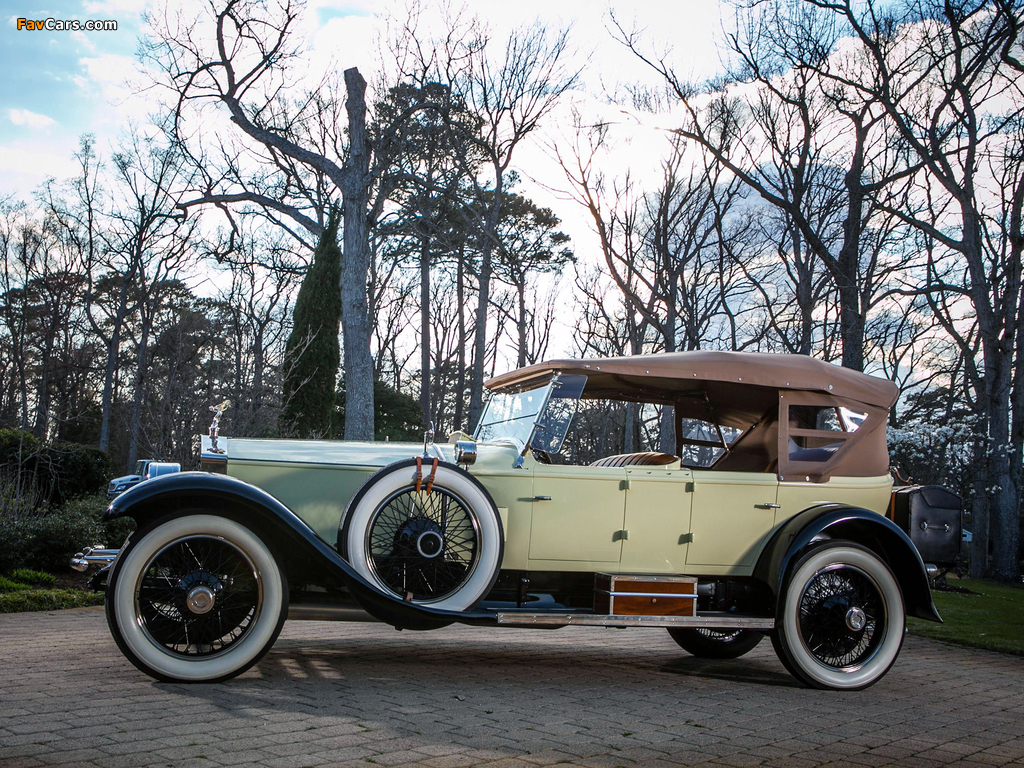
(769, 518)
(145, 469)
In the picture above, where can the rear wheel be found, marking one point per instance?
(715, 643)
(841, 618)
(196, 598)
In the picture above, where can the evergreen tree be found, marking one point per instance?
(312, 354)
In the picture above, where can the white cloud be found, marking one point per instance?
(83, 40)
(30, 119)
(114, 8)
(31, 164)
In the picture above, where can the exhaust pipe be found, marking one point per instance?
(95, 555)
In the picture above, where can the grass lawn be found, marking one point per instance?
(992, 618)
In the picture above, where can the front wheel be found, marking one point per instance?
(197, 598)
(841, 618)
(715, 643)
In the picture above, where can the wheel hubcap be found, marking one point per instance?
(200, 600)
(429, 544)
(856, 619)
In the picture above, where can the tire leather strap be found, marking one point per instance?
(419, 472)
(433, 473)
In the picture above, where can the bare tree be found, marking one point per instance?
(786, 137)
(294, 156)
(945, 75)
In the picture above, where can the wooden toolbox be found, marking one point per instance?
(638, 595)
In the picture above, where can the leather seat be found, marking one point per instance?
(643, 458)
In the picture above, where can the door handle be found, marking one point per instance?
(542, 498)
(768, 505)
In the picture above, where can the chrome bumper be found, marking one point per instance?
(97, 555)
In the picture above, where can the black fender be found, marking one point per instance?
(305, 556)
(869, 529)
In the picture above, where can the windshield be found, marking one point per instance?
(539, 416)
(140, 467)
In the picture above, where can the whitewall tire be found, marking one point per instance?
(196, 598)
(441, 549)
(841, 618)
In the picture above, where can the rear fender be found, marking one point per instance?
(305, 557)
(869, 529)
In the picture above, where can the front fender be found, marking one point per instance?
(301, 552)
(869, 529)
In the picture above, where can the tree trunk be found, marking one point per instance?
(425, 324)
(460, 374)
(113, 351)
(851, 318)
(355, 266)
(521, 322)
(476, 380)
(1004, 504)
(140, 375)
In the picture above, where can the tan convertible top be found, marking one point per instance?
(749, 391)
(668, 376)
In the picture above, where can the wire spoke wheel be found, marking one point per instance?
(715, 643)
(842, 617)
(423, 545)
(195, 598)
(441, 549)
(198, 596)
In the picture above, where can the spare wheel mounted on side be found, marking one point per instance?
(440, 547)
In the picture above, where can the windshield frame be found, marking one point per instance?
(572, 384)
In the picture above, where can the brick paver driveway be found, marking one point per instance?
(362, 694)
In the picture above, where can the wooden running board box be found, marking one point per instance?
(638, 595)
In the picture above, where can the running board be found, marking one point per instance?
(553, 620)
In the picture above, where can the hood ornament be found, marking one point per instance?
(218, 411)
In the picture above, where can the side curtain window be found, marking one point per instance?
(815, 432)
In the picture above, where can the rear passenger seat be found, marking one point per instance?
(643, 458)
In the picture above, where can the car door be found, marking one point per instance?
(732, 513)
(657, 529)
(577, 514)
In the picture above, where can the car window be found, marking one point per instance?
(822, 419)
(695, 436)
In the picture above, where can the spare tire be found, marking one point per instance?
(441, 548)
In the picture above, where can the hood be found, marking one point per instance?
(352, 453)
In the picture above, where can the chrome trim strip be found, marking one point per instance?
(691, 595)
(590, 620)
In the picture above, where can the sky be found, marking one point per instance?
(58, 85)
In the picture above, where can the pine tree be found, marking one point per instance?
(312, 354)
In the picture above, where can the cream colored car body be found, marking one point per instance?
(657, 520)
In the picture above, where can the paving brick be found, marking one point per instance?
(348, 694)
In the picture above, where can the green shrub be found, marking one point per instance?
(48, 538)
(33, 578)
(77, 470)
(57, 472)
(11, 585)
(47, 600)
